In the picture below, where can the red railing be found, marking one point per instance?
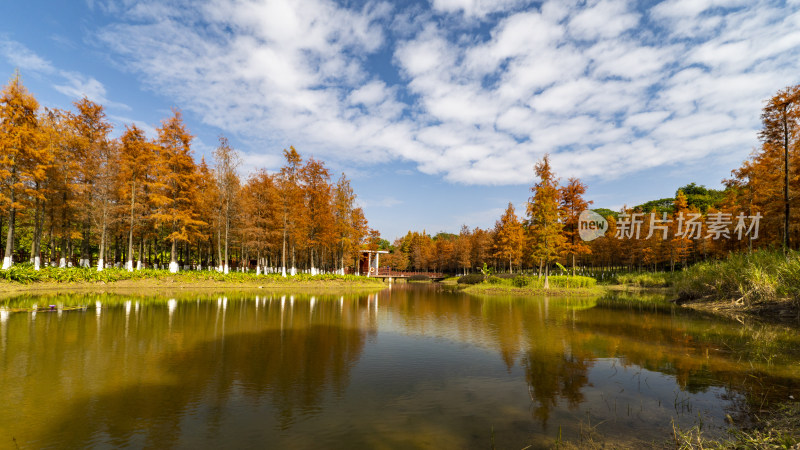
(388, 272)
(385, 272)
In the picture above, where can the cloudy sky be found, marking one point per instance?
(436, 109)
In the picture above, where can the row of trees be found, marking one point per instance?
(549, 233)
(537, 240)
(753, 211)
(70, 194)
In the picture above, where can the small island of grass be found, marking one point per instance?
(530, 285)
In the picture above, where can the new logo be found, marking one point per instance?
(591, 225)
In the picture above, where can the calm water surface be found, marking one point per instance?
(415, 366)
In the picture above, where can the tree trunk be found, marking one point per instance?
(102, 253)
(36, 242)
(51, 243)
(173, 262)
(227, 229)
(8, 259)
(210, 255)
(70, 251)
(219, 250)
(342, 272)
(64, 233)
(129, 264)
(573, 264)
(139, 259)
(85, 256)
(294, 268)
(283, 260)
(546, 275)
(785, 181)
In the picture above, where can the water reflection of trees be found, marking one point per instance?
(758, 360)
(288, 356)
(525, 332)
(556, 342)
(193, 359)
(553, 375)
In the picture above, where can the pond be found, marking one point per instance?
(414, 366)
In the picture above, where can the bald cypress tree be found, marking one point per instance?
(175, 197)
(780, 128)
(509, 238)
(227, 162)
(19, 141)
(543, 215)
(136, 158)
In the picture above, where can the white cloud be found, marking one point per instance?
(251, 162)
(691, 9)
(23, 58)
(72, 84)
(385, 202)
(120, 122)
(603, 19)
(607, 86)
(79, 86)
(476, 8)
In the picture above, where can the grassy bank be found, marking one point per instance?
(533, 285)
(777, 427)
(24, 278)
(644, 279)
(763, 282)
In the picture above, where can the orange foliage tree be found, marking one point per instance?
(174, 197)
(572, 204)
(509, 237)
(19, 142)
(545, 226)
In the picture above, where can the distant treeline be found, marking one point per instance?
(756, 209)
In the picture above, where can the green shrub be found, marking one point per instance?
(494, 280)
(472, 278)
(645, 279)
(21, 273)
(418, 277)
(24, 273)
(520, 281)
(563, 281)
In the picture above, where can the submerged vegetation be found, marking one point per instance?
(778, 427)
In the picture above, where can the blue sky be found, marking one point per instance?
(436, 110)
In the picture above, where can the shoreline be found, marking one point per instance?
(781, 311)
(181, 284)
(494, 289)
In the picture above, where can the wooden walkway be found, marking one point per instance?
(384, 274)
